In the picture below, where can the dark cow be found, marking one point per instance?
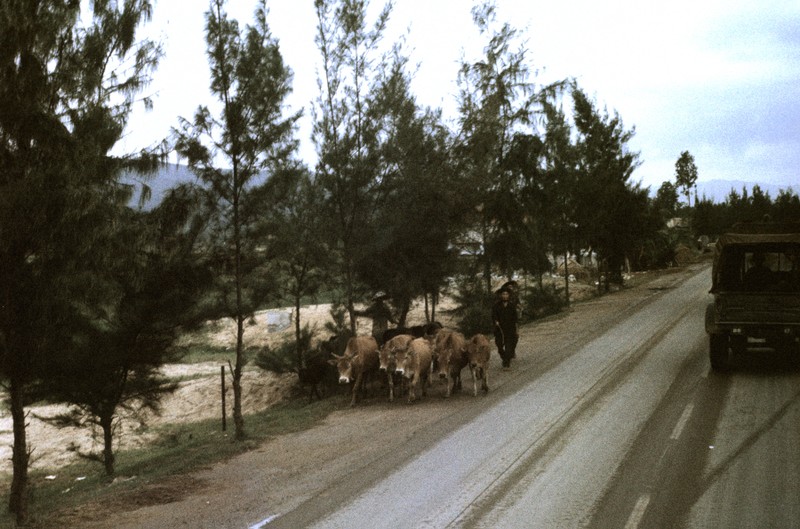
(316, 370)
(414, 363)
(451, 358)
(478, 352)
(417, 331)
(388, 356)
(360, 360)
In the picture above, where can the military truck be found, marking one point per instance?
(756, 287)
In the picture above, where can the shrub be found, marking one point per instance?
(540, 302)
(474, 306)
(287, 356)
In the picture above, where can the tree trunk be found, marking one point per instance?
(107, 424)
(566, 276)
(18, 497)
(238, 417)
(300, 362)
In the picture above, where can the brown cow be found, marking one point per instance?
(415, 365)
(388, 357)
(451, 358)
(359, 360)
(478, 352)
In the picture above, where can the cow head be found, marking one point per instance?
(344, 365)
(443, 361)
(405, 362)
(389, 351)
(401, 358)
(387, 358)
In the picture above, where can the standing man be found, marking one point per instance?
(506, 333)
(381, 316)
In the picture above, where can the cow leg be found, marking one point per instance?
(412, 388)
(474, 371)
(485, 386)
(356, 388)
(390, 377)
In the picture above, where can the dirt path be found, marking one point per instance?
(288, 470)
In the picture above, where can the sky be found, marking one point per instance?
(717, 78)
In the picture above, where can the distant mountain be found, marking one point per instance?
(172, 174)
(165, 178)
(718, 190)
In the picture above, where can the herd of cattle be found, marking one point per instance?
(407, 357)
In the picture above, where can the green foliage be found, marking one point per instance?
(255, 140)
(541, 302)
(288, 356)
(338, 323)
(686, 174)
(348, 135)
(473, 306)
(151, 283)
(666, 201)
(497, 101)
(713, 219)
(69, 74)
(657, 251)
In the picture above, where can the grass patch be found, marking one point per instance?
(178, 449)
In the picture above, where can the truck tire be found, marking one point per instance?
(718, 352)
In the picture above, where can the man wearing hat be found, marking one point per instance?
(506, 333)
(381, 315)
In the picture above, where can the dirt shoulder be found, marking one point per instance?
(290, 469)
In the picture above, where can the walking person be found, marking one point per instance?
(506, 332)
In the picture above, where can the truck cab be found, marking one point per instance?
(756, 289)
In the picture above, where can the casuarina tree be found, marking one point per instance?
(69, 75)
(497, 102)
(153, 280)
(347, 125)
(686, 174)
(240, 156)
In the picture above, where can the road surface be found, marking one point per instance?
(625, 427)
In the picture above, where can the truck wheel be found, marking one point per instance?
(719, 352)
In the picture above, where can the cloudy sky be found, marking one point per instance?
(719, 78)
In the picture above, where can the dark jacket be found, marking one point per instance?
(506, 316)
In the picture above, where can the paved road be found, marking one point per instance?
(626, 429)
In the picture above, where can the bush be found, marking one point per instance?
(474, 306)
(541, 302)
(287, 356)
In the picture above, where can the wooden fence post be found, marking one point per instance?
(222, 378)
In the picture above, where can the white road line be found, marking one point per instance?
(638, 512)
(687, 413)
(263, 523)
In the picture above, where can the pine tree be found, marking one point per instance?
(152, 286)
(346, 133)
(255, 140)
(610, 209)
(496, 100)
(686, 174)
(66, 88)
